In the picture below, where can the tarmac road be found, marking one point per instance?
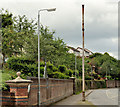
(104, 96)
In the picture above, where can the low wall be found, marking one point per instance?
(96, 84)
(112, 83)
(52, 90)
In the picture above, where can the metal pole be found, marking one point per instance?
(38, 59)
(83, 76)
(49, 10)
(91, 76)
(75, 66)
(45, 73)
(106, 73)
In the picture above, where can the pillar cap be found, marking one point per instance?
(72, 77)
(19, 79)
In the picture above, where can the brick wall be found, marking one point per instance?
(51, 90)
(18, 94)
(13, 97)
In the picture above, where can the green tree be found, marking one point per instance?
(7, 23)
(6, 18)
(17, 34)
(105, 64)
(25, 34)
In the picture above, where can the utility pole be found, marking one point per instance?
(39, 100)
(83, 76)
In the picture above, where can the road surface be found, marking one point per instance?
(105, 96)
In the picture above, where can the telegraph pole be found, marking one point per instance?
(39, 100)
(83, 76)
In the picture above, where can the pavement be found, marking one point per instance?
(75, 100)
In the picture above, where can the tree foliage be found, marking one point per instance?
(20, 39)
(105, 65)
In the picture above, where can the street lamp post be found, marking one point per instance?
(49, 10)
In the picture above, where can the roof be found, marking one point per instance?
(88, 50)
(85, 49)
(73, 48)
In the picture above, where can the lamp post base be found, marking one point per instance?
(83, 96)
(38, 99)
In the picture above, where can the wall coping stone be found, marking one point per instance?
(36, 78)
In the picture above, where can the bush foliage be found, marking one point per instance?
(29, 68)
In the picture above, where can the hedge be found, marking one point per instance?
(30, 68)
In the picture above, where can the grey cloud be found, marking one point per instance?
(100, 20)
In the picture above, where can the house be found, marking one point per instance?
(73, 50)
(79, 51)
(87, 52)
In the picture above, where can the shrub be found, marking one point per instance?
(55, 69)
(41, 70)
(30, 68)
(87, 77)
(20, 60)
(69, 72)
(59, 75)
(27, 67)
(42, 63)
(5, 77)
(50, 66)
(62, 68)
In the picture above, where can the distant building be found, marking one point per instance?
(78, 51)
(87, 52)
(73, 50)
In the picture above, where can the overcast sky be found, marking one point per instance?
(101, 21)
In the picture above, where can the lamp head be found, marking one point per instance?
(52, 9)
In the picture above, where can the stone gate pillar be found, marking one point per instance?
(19, 87)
